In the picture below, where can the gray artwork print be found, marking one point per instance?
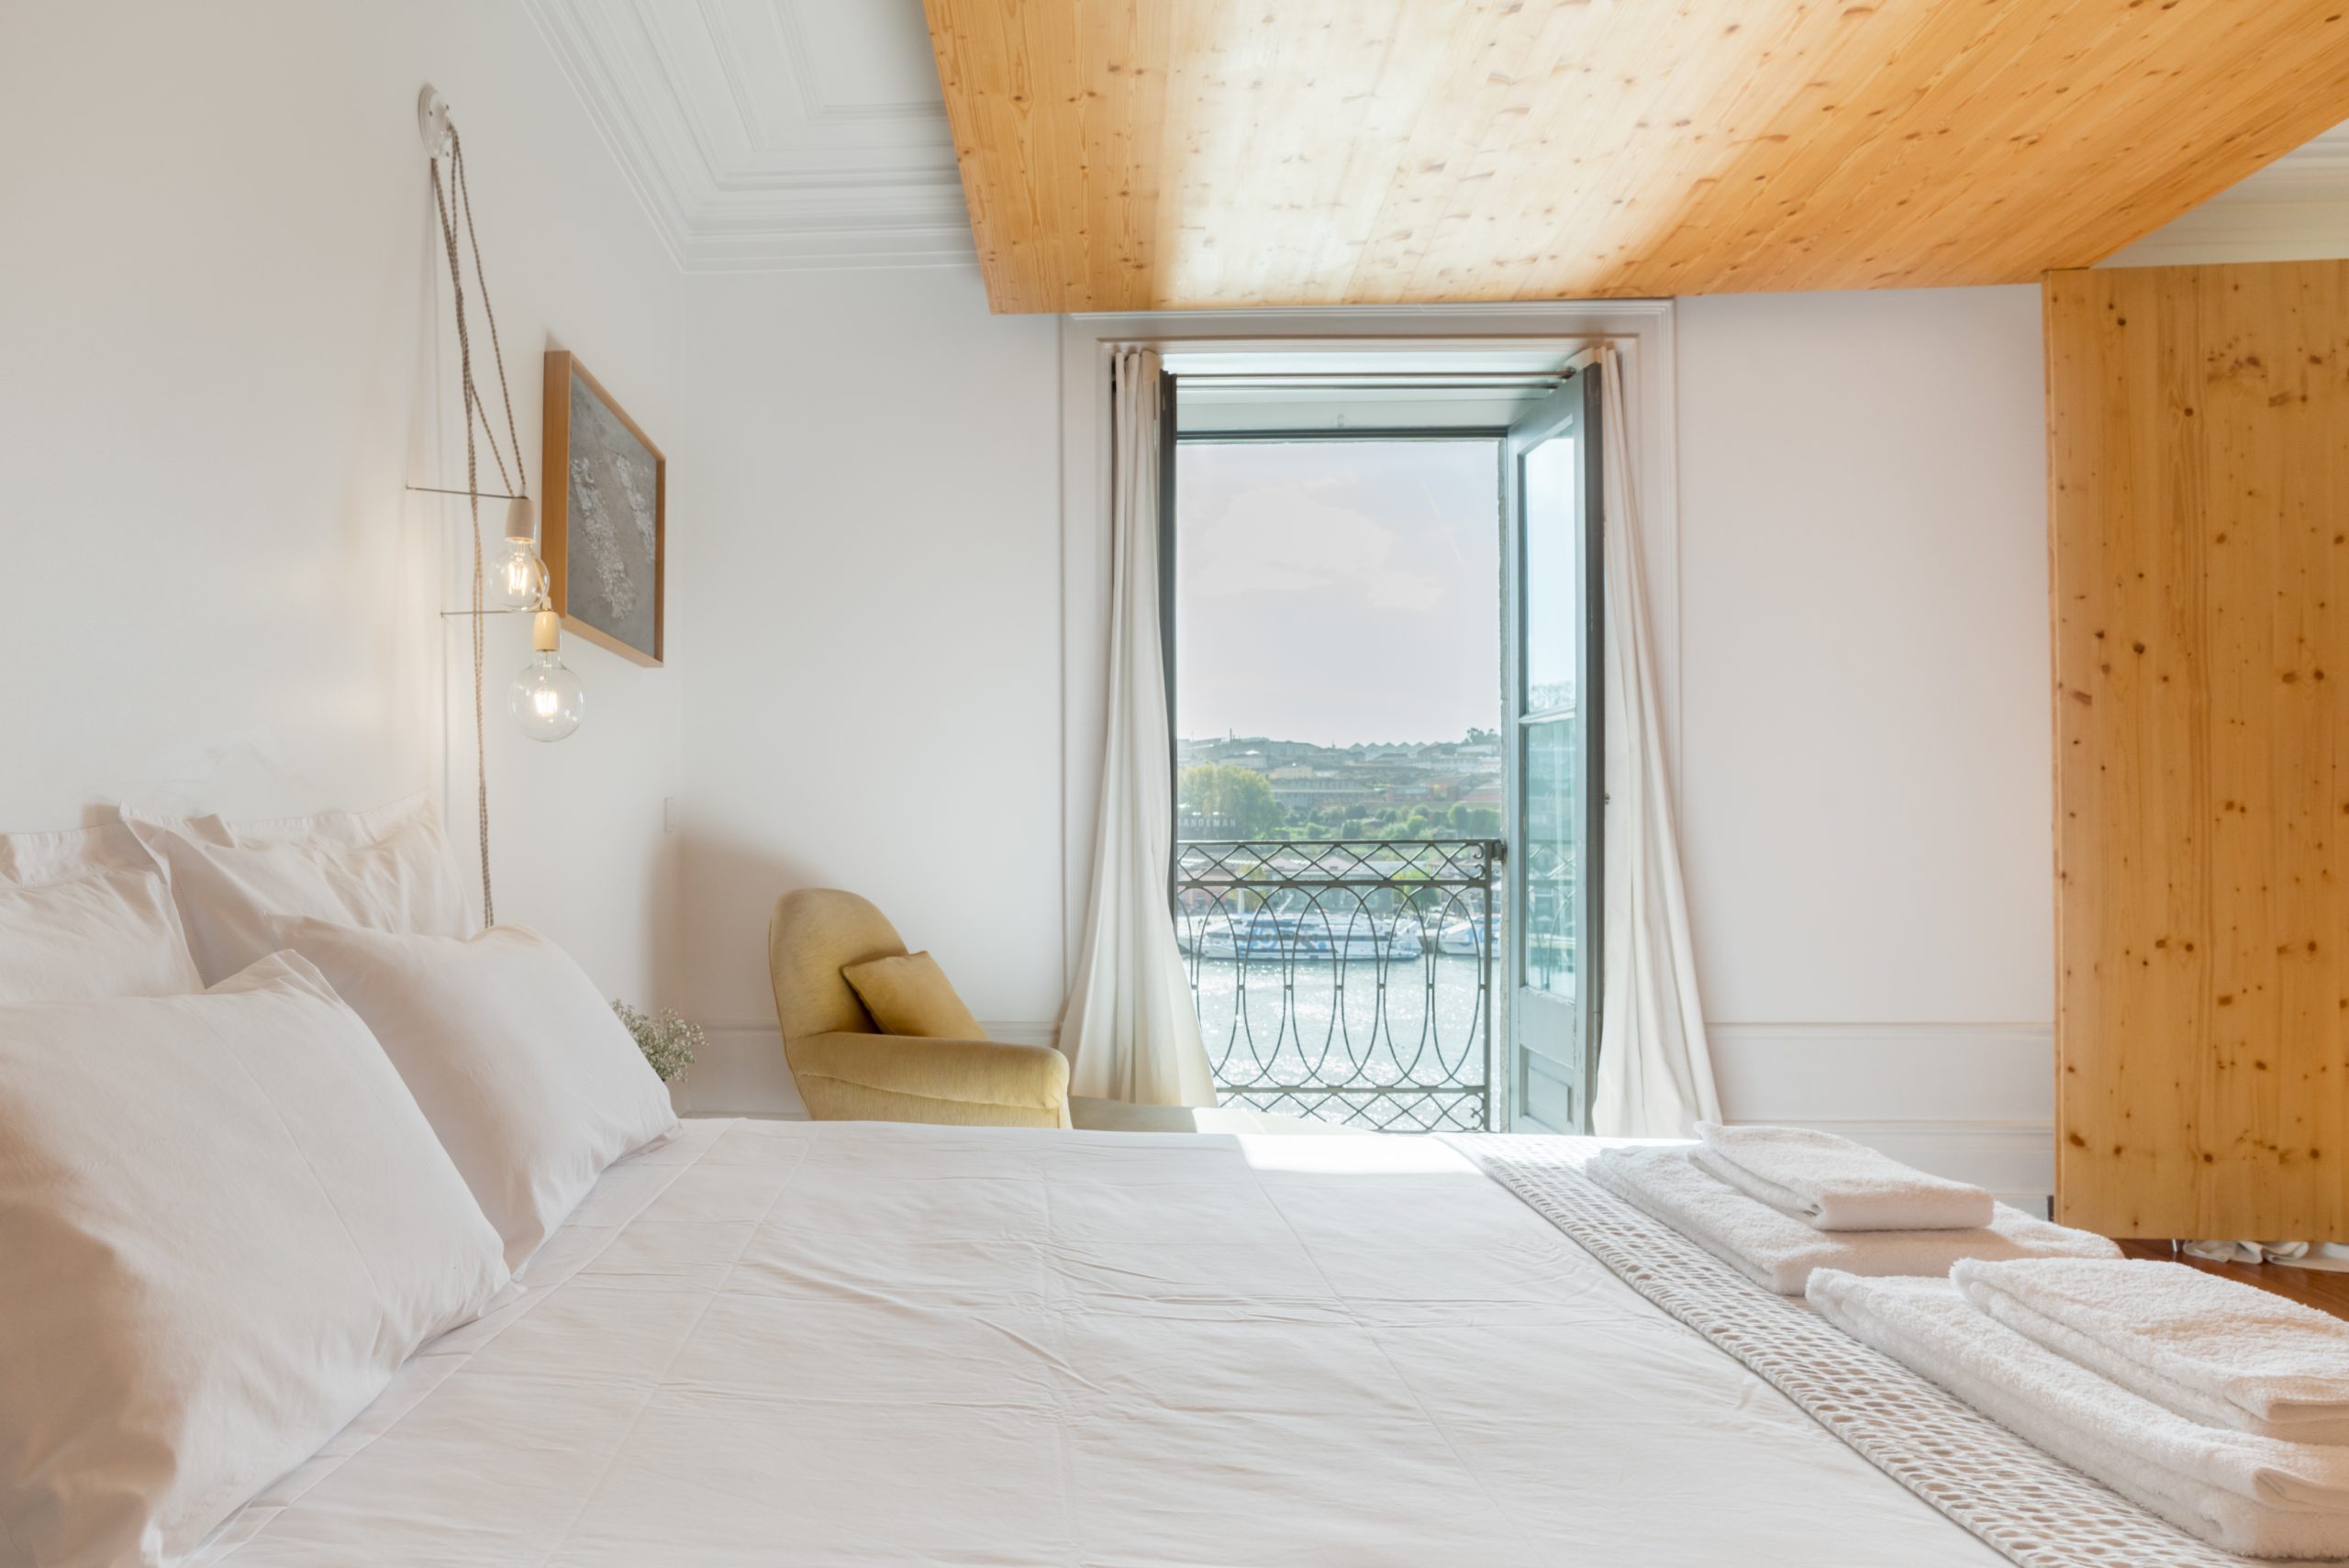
(615, 539)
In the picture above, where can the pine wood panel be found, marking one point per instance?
(2199, 499)
(1132, 154)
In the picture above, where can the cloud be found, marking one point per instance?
(1403, 591)
(1287, 537)
(1338, 592)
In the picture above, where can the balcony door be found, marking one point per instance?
(1552, 555)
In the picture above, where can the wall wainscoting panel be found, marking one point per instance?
(740, 1070)
(1969, 1101)
(1973, 1102)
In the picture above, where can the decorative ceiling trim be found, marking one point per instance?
(2244, 231)
(2296, 210)
(798, 51)
(822, 183)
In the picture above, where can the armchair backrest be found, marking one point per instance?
(817, 932)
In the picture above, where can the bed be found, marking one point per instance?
(865, 1343)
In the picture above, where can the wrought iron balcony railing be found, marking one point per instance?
(1346, 981)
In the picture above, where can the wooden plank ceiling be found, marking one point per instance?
(1132, 154)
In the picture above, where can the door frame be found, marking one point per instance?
(1643, 332)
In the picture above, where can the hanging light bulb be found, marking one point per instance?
(547, 700)
(517, 579)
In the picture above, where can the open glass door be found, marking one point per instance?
(1552, 555)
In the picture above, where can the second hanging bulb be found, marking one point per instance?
(547, 699)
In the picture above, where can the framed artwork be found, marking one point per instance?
(604, 530)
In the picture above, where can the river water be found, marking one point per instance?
(1355, 1025)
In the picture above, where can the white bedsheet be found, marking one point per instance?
(858, 1343)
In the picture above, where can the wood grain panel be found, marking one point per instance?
(2198, 495)
(1132, 154)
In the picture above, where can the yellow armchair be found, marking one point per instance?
(848, 1071)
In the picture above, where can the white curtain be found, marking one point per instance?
(1129, 1030)
(1655, 1072)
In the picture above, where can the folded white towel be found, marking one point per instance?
(1778, 1251)
(2213, 1350)
(1833, 1184)
(2244, 1494)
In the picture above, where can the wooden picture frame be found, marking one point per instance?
(593, 486)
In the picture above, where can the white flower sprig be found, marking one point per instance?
(668, 1042)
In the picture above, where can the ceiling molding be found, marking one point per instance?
(2296, 210)
(758, 139)
(2244, 231)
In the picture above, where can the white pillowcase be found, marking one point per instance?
(86, 915)
(531, 1083)
(224, 1224)
(389, 869)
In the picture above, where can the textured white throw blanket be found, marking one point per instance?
(2213, 1350)
(1833, 1184)
(2247, 1494)
(1778, 1251)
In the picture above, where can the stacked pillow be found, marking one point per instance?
(87, 914)
(389, 870)
(222, 1227)
(227, 1215)
(532, 1084)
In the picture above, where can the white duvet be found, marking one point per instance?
(860, 1344)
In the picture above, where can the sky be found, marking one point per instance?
(1336, 592)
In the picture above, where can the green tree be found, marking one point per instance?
(1239, 796)
(1475, 821)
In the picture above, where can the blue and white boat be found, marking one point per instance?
(1313, 937)
(1469, 938)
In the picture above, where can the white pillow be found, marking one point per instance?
(531, 1083)
(86, 915)
(389, 869)
(223, 1226)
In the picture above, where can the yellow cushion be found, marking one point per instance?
(910, 995)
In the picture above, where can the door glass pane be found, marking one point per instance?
(1552, 718)
(1553, 831)
(1341, 731)
(1552, 592)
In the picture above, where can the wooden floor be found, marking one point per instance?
(2311, 1287)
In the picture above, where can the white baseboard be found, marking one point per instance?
(738, 1071)
(1973, 1102)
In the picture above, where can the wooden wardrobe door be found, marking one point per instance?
(2199, 492)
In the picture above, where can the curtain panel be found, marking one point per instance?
(1655, 1070)
(1130, 1028)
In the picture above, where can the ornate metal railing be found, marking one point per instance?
(1346, 981)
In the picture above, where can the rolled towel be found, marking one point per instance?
(2244, 1494)
(1778, 1251)
(1833, 1184)
(2215, 1351)
(2245, 1251)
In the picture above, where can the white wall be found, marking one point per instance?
(1863, 656)
(871, 608)
(222, 360)
(1856, 621)
(217, 367)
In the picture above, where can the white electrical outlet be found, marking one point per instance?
(668, 813)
